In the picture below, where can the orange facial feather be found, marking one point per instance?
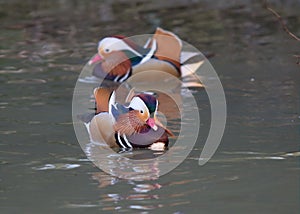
(116, 63)
(143, 116)
(129, 123)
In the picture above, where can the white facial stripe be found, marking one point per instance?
(115, 44)
(138, 104)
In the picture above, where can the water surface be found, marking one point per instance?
(44, 46)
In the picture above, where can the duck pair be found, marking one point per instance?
(134, 124)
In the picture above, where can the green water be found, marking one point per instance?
(44, 45)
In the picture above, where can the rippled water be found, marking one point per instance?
(44, 46)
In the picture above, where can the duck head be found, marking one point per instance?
(145, 106)
(115, 58)
(110, 45)
(140, 116)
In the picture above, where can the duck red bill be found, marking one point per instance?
(151, 123)
(95, 59)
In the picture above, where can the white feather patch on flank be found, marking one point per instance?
(158, 146)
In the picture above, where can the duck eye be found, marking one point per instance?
(106, 50)
(141, 111)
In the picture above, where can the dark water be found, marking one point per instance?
(44, 46)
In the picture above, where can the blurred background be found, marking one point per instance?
(45, 44)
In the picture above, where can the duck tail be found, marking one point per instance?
(189, 69)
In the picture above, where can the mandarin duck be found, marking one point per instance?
(127, 126)
(118, 57)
